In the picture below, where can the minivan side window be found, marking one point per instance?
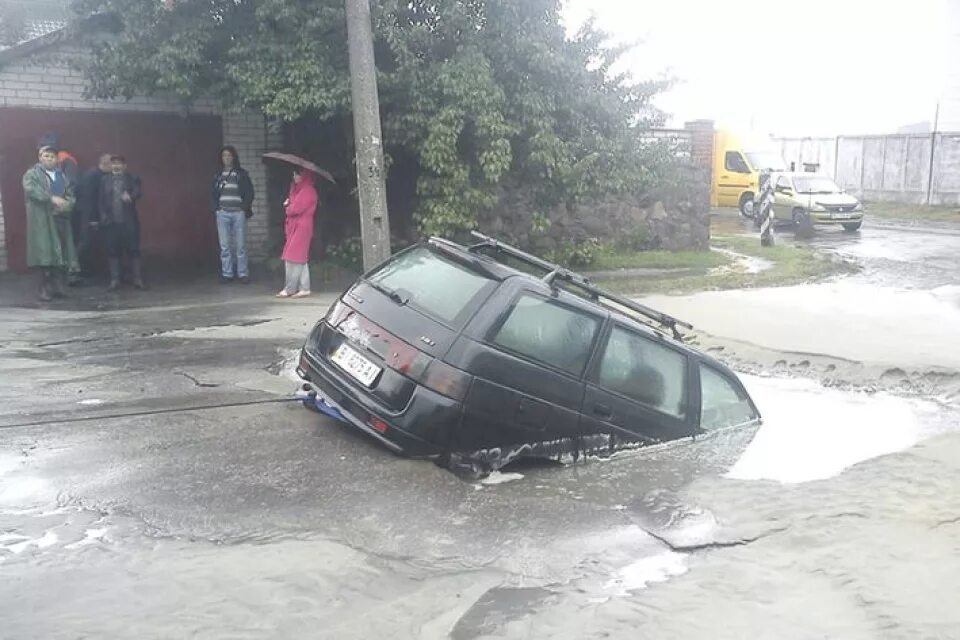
(722, 404)
(549, 332)
(651, 373)
(733, 161)
(783, 182)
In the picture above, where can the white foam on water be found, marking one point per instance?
(91, 536)
(48, 539)
(16, 490)
(9, 462)
(498, 477)
(811, 432)
(7, 537)
(652, 569)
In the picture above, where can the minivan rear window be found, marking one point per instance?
(432, 284)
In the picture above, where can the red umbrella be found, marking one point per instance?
(300, 162)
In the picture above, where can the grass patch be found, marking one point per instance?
(610, 259)
(791, 264)
(912, 212)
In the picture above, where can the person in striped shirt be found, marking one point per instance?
(231, 200)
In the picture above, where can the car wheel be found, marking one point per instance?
(802, 223)
(746, 205)
(852, 226)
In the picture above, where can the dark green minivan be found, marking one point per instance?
(449, 351)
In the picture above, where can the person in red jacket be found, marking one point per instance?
(300, 206)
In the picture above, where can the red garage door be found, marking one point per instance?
(174, 156)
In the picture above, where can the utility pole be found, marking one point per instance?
(933, 149)
(371, 178)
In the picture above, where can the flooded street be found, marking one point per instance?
(165, 487)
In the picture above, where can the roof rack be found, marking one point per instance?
(555, 272)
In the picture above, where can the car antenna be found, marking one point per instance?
(601, 296)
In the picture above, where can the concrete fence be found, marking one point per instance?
(909, 168)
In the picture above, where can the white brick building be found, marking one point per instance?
(41, 89)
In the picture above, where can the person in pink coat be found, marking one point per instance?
(300, 206)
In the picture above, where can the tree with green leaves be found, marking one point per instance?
(481, 94)
(13, 26)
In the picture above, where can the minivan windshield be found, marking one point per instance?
(815, 184)
(761, 160)
(431, 283)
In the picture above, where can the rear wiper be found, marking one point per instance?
(390, 293)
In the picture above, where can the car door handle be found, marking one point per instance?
(602, 410)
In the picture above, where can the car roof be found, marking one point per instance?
(504, 272)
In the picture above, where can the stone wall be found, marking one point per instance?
(674, 216)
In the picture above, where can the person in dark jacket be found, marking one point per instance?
(120, 222)
(231, 200)
(86, 213)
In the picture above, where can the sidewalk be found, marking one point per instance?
(165, 290)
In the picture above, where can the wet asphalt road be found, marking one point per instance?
(214, 508)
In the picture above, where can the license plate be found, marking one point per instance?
(355, 364)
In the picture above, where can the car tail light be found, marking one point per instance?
(407, 360)
(337, 313)
(378, 424)
(447, 380)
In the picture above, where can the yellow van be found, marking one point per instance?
(736, 171)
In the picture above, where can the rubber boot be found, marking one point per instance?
(135, 267)
(114, 264)
(58, 285)
(44, 292)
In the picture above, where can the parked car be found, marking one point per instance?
(804, 200)
(444, 351)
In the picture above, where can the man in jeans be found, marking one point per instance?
(231, 198)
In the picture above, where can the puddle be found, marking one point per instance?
(741, 263)
(811, 432)
(286, 366)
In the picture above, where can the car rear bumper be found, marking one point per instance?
(420, 430)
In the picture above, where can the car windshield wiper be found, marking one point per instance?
(387, 291)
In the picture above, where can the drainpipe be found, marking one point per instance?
(933, 146)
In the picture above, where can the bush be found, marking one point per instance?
(637, 239)
(575, 255)
(348, 253)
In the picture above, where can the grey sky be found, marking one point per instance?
(831, 66)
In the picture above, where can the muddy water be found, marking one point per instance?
(296, 528)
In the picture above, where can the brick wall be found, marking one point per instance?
(701, 143)
(52, 80)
